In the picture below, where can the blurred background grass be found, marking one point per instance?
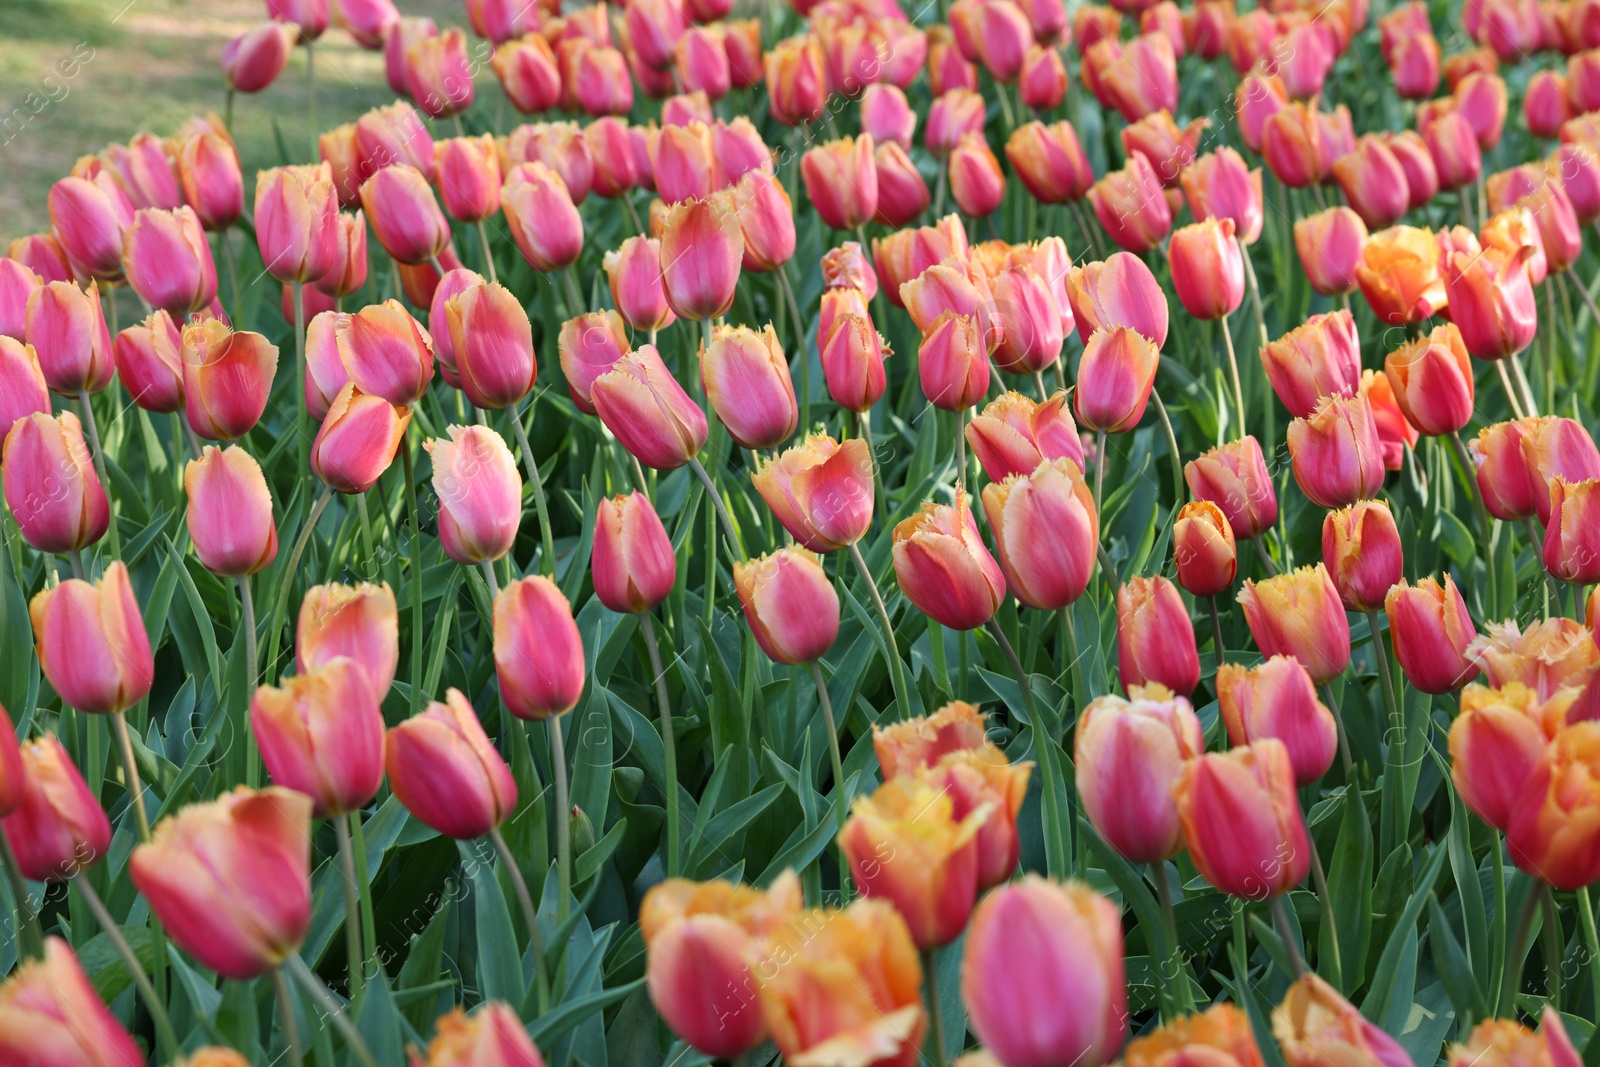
(76, 75)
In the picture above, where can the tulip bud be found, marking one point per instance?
(492, 1034)
(230, 512)
(1399, 275)
(598, 79)
(1129, 754)
(976, 182)
(1299, 614)
(348, 272)
(1321, 357)
(167, 260)
(254, 59)
(1115, 376)
(702, 246)
(68, 333)
(439, 75)
(1570, 552)
(50, 484)
(1042, 84)
(526, 69)
(1220, 185)
(538, 655)
(943, 567)
(1430, 629)
(1165, 146)
(1500, 1042)
(386, 352)
(1234, 477)
(1204, 549)
(960, 286)
(1336, 453)
(397, 41)
(325, 373)
(405, 216)
(1491, 303)
(53, 1014)
(1315, 1022)
(589, 346)
(1545, 104)
(1027, 312)
(1046, 530)
(447, 773)
(358, 440)
(701, 62)
(247, 844)
(1508, 488)
(1497, 741)
(1361, 548)
(492, 341)
(842, 182)
(1155, 639)
(1291, 144)
(1119, 292)
(480, 494)
(640, 402)
(18, 282)
(43, 254)
(952, 362)
(766, 220)
(1330, 245)
(681, 158)
(56, 827)
(1035, 934)
(1014, 435)
(1552, 448)
(1241, 820)
(902, 194)
(1395, 433)
(795, 80)
(329, 710)
(1553, 833)
(611, 145)
(789, 603)
(1277, 699)
(469, 177)
(1207, 268)
(296, 221)
(1132, 207)
(820, 491)
(227, 378)
(22, 387)
(1049, 162)
(360, 622)
(208, 170)
(632, 565)
(747, 383)
(543, 219)
(1431, 379)
(634, 273)
(852, 355)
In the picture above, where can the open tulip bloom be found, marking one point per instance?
(880, 532)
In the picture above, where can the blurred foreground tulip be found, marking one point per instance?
(1314, 1022)
(50, 1013)
(57, 827)
(493, 1034)
(446, 772)
(1497, 741)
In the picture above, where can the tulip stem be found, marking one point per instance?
(195, 447)
(1586, 924)
(1512, 397)
(410, 472)
(1548, 349)
(369, 928)
(722, 509)
(530, 918)
(302, 444)
(1216, 632)
(633, 215)
(230, 261)
(291, 1029)
(1266, 559)
(167, 1037)
(1169, 927)
(331, 1008)
(355, 963)
(547, 565)
(1485, 521)
(1056, 844)
(1552, 588)
(558, 763)
(1233, 369)
(1554, 939)
(75, 561)
(113, 541)
(1529, 404)
(290, 569)
(227, 111)
(1255, 294)
(490, 579)
(1172, 447)
(30, 939)
(247, 622)
(930, 968)
(1391, 693)
(1100, 470)
(891, 649)
(1518, 953)
(130, 773)
(841, 802)
(879, 494)
(1038, 383)
(1280, 919)
(488, 256)
(575, 302)
(799, 345)
(961, 450)
(1344, 741)
(669, 742)
(311, 106)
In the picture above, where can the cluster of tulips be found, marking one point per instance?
(701, 212)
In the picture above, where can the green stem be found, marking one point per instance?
(488, 256)
(1512, 396)
(291, 1029)
(291, 568)
(1255, 294)
(530, 918)
(1344, 741)
(369, 928)
(841, 802)
(879, 496)
(332, 1009)
(86, 409)
(230, 261)
(558, 763)
(311, 108)
(30, 940)
(1280, 919)
(1552, 944)
(1518, 954)
(1266, 559)
(1233, 369)
(1056, 846)
(1396, 755)
(410, 471)
(302, 443)
(355, 964)
(1216, 631)
(930, 968)
(575, 302)
(669, 744)
(1592, 942)
(799, 345)
(1172, 449)
(547, 565)
(1498, 933)
(1169, 928)
(247, 620)
(897, 674)
(1485, 520)
(130, 773)
(1099, 470)
(75, 563)
(722, 509)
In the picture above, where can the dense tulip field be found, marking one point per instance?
(1005, 530)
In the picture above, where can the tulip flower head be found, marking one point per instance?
(1330, 245)
(640, 402)
(50, 1008)
(446, 772)
(1241, 820)
(820, 490)
(92, 643)
(1046, 530)
(56, 827)
(1314, 1022)
(1155, 640)
(1431, 379)
(1115, 377)
(944, 568)
(227, 378)
(67, 330)
(1497, 741)
(1129, 754)
(790, 604)
(321, 734)
(491, 1034)
(358, 440)
(479, 489)
(229, 515)
(1277, 699)
(633, 565)
(1300, 614)
(538, 655)
(1399, 275)
(359, 622)
(491, 339)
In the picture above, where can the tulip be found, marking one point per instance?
(976, 182)
(387, 353)
(67, 330)
(1422, 177)
(1028, 313)
(766, 220)
(632, 565)
(640, 402)
(50, 484)
(1119, 292)
(1558, 224)
(1544, 104)
(56, 827)
(849, 984)
(1336, 453)
(1509, 489)
(701, 62)
(397, 41)
(18, 282)
(1361, 548)
(1013, 435)
(1129, 754)
(1431, 630)
(702, 246)
(1042, 82)
(905, 844)
(492, 1034)
(392, 135)
(446, 772)
(1373, 182)
(852, 355)
(1291, 144)
(1155, 640)
(88, 216)
(1241, 820)
(296, 217)
(367, 21)
(904, 256)
(439, 75)
(543, 220)
(1578, 168)
(321, 734)
(1454, 148)
(208, 171)
(789, 603)
(92, 643)
(588, 346)
(468, 171)
(1491, 302)
(1277, 699)
(1258, 97)
(341, 150)
(1497, 741)
(404, 214)
(492, 341)
(1049, 162)
(1131, 206)
(309, 17)
(1330, 244)
(842, 182)
(1300, 614)
(254, 59)
(634, 274)
(1395, 434)
(227, 377)
(904, 746)
(902, 194)
(1207, 268)
(747, 383)
(348, 273)
(653, 29)
(206, 862)
(1557, 448)
(1480, 98)
(325, 373)
(1499, 1042)
(480, 494)
(358, 440)
(598, 80)
(794, 75)
(1033, 936)
(615, 169)
(1314, 1022)
(950, 118)
(43, 254)
(1115, 377)
(1321, 357)
(1144, 79)
(538, 655)
(820, 491)
(1219, 185)
(1204, 549)
(230, 512)
(50, 1013)
(167, 260)
(952, 363)
(1164, 146)
(957, 285)
(1414, 63)
(1569, 549)
(22, 388)
(1551, 655)
(357, 622)
(1432, 381)
(887, 116)
(943, 567)
(1554, 832)
(526, 69)
(1046, 530)
(681, 159)
(1234, 477)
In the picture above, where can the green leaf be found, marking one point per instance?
(380, 1024)
(562, 1018)
(499, 962)
(1385, 978)
(1350, 893)
(1450, 963)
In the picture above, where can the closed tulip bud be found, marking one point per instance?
(1013, 435)
(976, 182)
(51, 1013)
(1510, 490)
(1314, 1022)
(397, 41)
(634, 274)
(1373, 182)
(1454, 148)
(22, 388)
(1155, 640)
(1558, 225)
(348, 273)
(1414, 64)
(1219, 185)
(1144, 79)
(447, 773)
(902, 194)
(640, 402)
(1431, 378)
(1578, 168)
(50, 483)
(1422, 177)
(681, 159)
(1241, 820)
(907, 255)
(405, 216)
(906, 845)
(1431, 630)
(92, 643)
(18, 282)
(359, 622)
(227, 377)
(1330, 244)
(1204, 549)
(887, 116)
(1115, 377)
(358, 440)
(480, 494)
(654, 27)
(1395, 434)
(589, 346)
(1545, 105)
(1554, 448)
(167, 260)
(492, 341)
(254, 59)
(325, 373)
(538, 655)
(789, 603)
(230, 512)
(492, 1034)
(701, 62)
(633, 565)
(543, 219)
(1132, 207)
(951, 117)
(1258, 97)
(1042, 82)
(1046, 529)
(1049, 162)
(702, 247)
(387, 353)
(366, 21)
(1129, 754)
(1491, 302)
(820, 491)
(943, 567)
(308, 17)
(1480, 97)
(208, 171)
(1234, 477)
(321, 734)
(1570, 550)
(598, 80)
(1361, 548)
(747, 383)
(1207, 268)
(439, 75)
(1277, 699)
(1291, 144)
(953, 363)
(842, 182)
(340, 149)
(959, 286)
(68, 333)
(1321, 357)
(527, 71)
(1338, 138)
(1031, 319)
(852, 355)
(1118, 292)
(611, 144)
(56, 827)
(1036, 934)
(795, 80)
(1165, 146)
(296, 217)
(703, 942)
(1300, 614)
(43, 254)
(468, 171)
(1554, 832)
(1497, 741)
(208, 857)
(766, 221)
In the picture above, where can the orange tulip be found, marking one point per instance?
(1204, 549)
(1129, 754)
(1220, 1035)
(1554, 831)
(492, 1034)
(795, 80)
(1497, 741)
(1549, 655)
(1399, 275)
(1299, 614)
(51, 1013)
(1314, 1022)
(1502, 1042)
